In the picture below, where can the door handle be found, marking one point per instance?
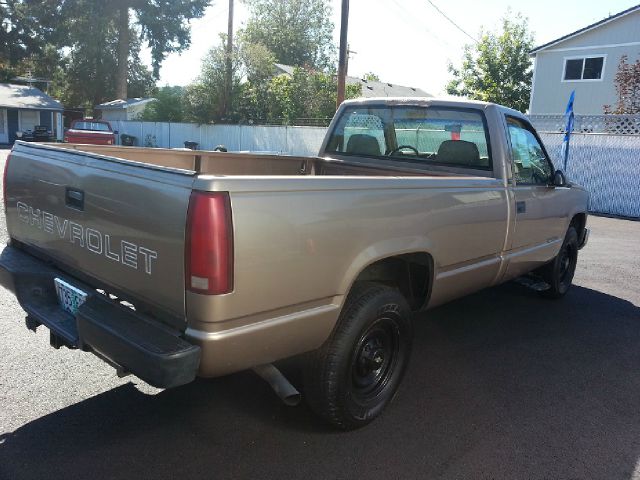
(74, 199)
(521, 207)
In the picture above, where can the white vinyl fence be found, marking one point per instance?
(608, 165)
(252, 138)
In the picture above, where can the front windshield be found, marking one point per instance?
(426, 135)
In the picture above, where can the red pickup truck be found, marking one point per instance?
(89, 131)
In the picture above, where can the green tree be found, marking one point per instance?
(297, 32)
(90, 41)
(22, 34)
(257, 64)
(371, 77)
(163, 24)
(257, 61)
(45, 64)
(204, 97)
(258, 97)
(168, 106)
(92, 30)
(90, 67)
(497, 68)
(306, 97)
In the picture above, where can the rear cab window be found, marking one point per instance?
(91, 126)
(431, 138)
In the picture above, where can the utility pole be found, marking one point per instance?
(123, 52)
(342, 63)
(229, 65)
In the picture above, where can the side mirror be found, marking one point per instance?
(116, 132)
(559, 180)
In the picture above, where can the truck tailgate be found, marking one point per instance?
(116, 222)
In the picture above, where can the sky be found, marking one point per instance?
(406, 42)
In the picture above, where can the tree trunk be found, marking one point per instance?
(123, 52)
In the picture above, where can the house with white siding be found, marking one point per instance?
(585, 61)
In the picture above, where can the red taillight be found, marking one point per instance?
(209, 245)
(4, 183)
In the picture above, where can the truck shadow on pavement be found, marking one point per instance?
(502, 384)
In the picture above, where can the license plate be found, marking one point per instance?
(69, 297)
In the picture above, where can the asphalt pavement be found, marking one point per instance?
(502, 384)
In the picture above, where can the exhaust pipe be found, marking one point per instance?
(283, 388)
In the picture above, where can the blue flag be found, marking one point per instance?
(568, 115)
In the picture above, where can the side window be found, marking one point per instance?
(530, 164)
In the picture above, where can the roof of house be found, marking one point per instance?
(282, 68)
(121, 104)
(26, 97)
(370, 88)
(586, 29)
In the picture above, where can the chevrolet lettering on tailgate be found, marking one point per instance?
(127, 253)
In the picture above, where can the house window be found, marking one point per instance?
(585, 68)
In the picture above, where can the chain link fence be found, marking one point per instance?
(608, 166)
(604, 157)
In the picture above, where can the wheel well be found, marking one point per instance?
(410, 273)
(579, 222)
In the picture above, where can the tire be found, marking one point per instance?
(559, 272)
(356, 373)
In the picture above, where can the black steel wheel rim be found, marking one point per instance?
(375, 359)
(568, 259)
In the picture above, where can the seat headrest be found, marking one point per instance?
(363, 144)
(458, 151)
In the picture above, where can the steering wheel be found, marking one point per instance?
(538, 173)
(401, 147)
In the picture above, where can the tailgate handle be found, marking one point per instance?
(74, 199)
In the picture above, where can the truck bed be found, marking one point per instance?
(119, 213)
(233, 163)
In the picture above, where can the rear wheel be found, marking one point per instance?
(356, 373)
(559, 272)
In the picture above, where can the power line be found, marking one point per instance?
(422, 27)
(451, 21)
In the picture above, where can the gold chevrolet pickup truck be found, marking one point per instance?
(172, 264)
